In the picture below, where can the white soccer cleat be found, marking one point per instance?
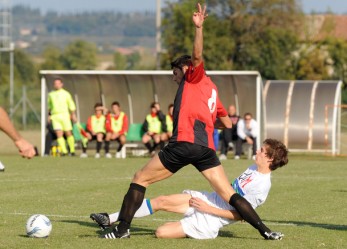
(118, 154)
(237, 157)
(222, 157)
(108, 155)
(84, 155)
(97, 155)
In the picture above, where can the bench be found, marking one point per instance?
(133, 138)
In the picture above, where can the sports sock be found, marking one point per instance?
(62, 144)
(149, 147)
(154, 146)
(71, 142)
(98, 146)
(84, 148)
(120, 147)
(248, 214)
(131, 203)
(107, 146)
(144, 210)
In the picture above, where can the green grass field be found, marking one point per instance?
(307, 203)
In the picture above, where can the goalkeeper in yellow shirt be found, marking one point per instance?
(62, 111)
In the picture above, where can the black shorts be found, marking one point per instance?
(176, 155)
(94, 136)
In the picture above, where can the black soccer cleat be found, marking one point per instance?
(274, 236)
(115, 234)
(102, 219)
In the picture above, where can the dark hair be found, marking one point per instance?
(182, 61)
(171, 105)
(247, 114)
(98, 105)
(115, 103)
(276, 151)
(153, 104)
(60, 79)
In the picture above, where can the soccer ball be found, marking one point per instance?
(38, 226)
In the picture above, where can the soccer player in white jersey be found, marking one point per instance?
(205, 213)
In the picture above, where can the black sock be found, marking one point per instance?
(107, 146)
(98, 146)
(131, 202)
(149, 147)
(248, 214)
(120, 147)
(84, 149)
(154, 146)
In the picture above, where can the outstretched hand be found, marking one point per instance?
(25, 148)
(199, 16)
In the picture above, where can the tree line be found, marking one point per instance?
(268, 36)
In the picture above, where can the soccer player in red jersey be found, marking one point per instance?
(196, 107)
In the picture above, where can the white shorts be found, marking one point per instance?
(199, 225)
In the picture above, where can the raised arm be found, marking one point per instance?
(198, 20)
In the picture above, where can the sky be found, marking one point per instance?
(336, 6)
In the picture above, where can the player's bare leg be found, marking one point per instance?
(170, 230)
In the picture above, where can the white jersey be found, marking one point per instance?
(251, 184)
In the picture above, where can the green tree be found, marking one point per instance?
(52, 59)
(312, 64)
(79, 55)
(337, 49)
(245, 35)
(119, 61)
(24, 68)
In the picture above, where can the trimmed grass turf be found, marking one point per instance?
(307, 203)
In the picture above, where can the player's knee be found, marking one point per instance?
(160, 233)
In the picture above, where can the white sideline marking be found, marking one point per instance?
(146, 219)
(63, 179)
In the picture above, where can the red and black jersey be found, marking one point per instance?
(196, 107)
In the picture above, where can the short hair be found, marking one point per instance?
(248, 114)
(181, 61)
(57, 78)
(171, 105)
(97, 105)
(277, 152)
(153, 104)
(115, 103)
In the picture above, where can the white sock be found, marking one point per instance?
(144, 210)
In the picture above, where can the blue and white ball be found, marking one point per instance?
(38, 226)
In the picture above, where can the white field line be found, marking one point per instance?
(129, 178)
(63, 179)
(82, 217)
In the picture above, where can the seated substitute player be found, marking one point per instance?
(196, 107)
(116, 128)
(247, 132)
(152, 127)
(205, 213)
(168, 126)
(95, 130)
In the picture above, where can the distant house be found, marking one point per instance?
(319, 27)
